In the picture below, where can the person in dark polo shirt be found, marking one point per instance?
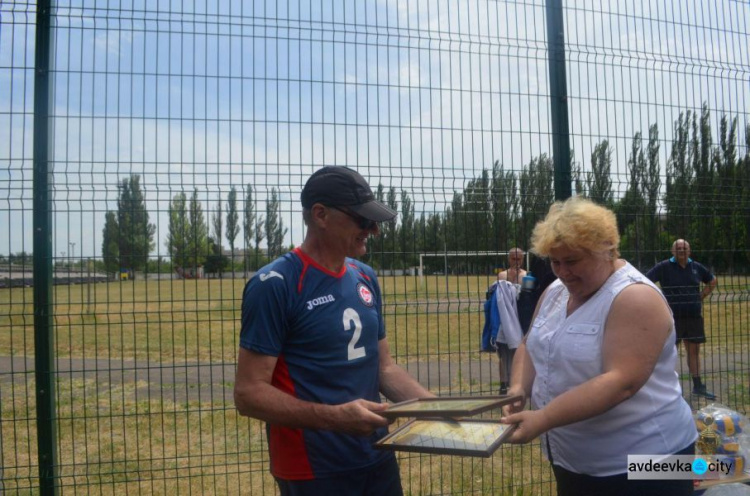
(680, 278)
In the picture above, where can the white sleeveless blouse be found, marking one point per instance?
(567, 351)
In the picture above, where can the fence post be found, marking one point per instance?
(558, 99)
(43, 296)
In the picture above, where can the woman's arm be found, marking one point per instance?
(522, 372)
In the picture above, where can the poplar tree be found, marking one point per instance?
(179, 229)
(599, 180)
(110, 243)
(217, 221)
(136, 233)
(233, 227)
(197, 242)
(275, 230)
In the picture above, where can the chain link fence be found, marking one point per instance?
(162, 147)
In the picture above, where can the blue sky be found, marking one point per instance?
(420, 95)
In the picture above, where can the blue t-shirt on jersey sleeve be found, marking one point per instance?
(325, 329)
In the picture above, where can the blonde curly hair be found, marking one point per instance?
(579, 224)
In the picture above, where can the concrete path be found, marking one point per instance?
(202, 382)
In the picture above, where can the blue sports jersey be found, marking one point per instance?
(324, 327)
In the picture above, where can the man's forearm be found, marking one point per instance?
(398, 385)
(708, 288)
(267, 403)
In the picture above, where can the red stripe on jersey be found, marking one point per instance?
(354, 266)
(288, 454)
(307, 260)
(305, 265)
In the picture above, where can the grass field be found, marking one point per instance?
(197, 320)
(119, 433)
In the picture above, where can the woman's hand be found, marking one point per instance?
(530, 424)
(517, 405)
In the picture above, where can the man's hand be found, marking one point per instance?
(359, 417)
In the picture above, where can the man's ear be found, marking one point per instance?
(320, 215)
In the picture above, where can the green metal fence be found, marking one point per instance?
(151, 159)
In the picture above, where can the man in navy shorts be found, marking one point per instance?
(680, 278)
(314, 357)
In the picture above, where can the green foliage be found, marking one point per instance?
(158, 266)
(599, 180)
(406, 231)
(187, 238)
(504, 204)
(707, 190)
(233, 227)
(255, 259)
(275, 230)
(110, 244)
(476, 215)
(253, 231)
(706, 200)
(536, 193)
(680, 176)
(21, 258)
(727, 207)
(637, 209)
(179, 227)
(652, 178)
(216, 262)
(388, 229)
(217, 221)
(197, 241)
(136, 233)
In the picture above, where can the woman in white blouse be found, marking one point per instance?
(599, 362)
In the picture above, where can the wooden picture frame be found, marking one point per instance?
(467, 437)
(447, 407)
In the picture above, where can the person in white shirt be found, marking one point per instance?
(515, 271)
(513, 274)
(598, 362)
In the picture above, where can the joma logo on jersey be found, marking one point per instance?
(320, 301)
(273, 273)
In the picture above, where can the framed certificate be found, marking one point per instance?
(449, 407)
(448, 437)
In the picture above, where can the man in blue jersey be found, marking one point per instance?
(314, 356)
(680, 278)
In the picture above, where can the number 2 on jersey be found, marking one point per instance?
(352, 317)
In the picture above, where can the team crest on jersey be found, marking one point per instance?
(365, 295)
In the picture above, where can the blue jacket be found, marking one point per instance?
(491, 320)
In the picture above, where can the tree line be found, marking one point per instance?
(192, 240)
(705, 198)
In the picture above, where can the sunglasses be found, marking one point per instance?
(363, 223)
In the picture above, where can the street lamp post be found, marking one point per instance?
(73, 251)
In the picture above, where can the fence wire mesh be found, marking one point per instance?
(181, 134)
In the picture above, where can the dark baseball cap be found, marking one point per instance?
(338, 186)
